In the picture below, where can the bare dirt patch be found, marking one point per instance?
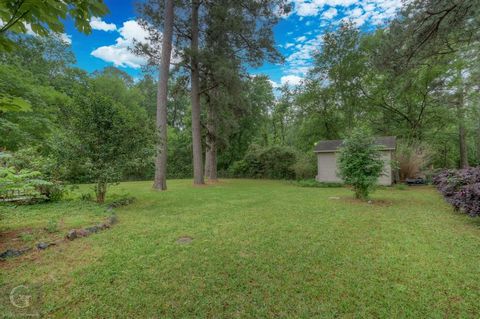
(184, 240)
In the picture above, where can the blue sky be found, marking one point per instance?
(297, 35)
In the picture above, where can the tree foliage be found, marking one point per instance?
(46, 16)
(103, 137)
(360, 163)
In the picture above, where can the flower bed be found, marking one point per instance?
(461, 188)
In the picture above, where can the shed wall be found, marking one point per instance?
(327, 168)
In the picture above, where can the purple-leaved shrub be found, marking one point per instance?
(461, 188)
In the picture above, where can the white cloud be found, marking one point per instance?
(301, 39)
(332, 12)
(120, 53)
(291, 80)
(274, 84)
(305, 9)
(377, 10)
(299, 61)
(98, 24)
(329, 14)
(65, 38)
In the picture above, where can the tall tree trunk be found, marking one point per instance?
(160, 182)
(195, 97)
(211, 154)
(477, 134)
(478, 143)
(207, 158)
(463, 144)
(462, 135)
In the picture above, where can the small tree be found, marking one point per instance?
(104, 139)
(360, 163)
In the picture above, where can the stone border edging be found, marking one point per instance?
(74, 233)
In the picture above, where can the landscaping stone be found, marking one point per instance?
(103, 226)
(82, 233)
(77, 233)
(72, 234)
(92, 229)
(42, 245)
(13, 253)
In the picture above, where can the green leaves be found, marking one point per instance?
(360, 163)
(46, 16)
(10, 103)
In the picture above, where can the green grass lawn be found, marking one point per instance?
(260, 249)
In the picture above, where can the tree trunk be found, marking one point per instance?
(462, 135)
(207, 158)
(211, 154)
(161, 158)
(478, 143)
(477, 135)
(213, 160)
(463, 145)
(101, 192)
(195, 97)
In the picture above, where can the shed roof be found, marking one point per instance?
(386, 142)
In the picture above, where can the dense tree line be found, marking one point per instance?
(416, 78)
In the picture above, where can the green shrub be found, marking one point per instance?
(53, 191)
(16, 185)
(239, 169)
(274, 162)
(23, 184)
(360, 163)
(88, 197)
(305, 166)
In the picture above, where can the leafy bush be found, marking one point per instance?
(25, 185)
(273, 162)
(360, 163)
(315, 183)
(461, 188)
(412, 159)
(18, 185)
(239, 169)
(304, 166)
(53, 191)
(88, 197)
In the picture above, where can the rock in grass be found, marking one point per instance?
(72, 234)
(43, 245)
(92, 229)
(82, 233)
(103, 226)
(13, 253)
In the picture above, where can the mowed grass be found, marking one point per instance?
(264, 249)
